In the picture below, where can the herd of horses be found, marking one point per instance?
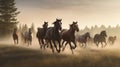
(57, 38)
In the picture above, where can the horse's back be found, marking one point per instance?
(49, 33)
(96, 37)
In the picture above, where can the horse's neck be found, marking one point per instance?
(85, 37)
(56, 30)
(45, 29)
(72, 31)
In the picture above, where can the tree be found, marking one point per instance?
(8, 14)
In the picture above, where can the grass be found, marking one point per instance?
(14, 56)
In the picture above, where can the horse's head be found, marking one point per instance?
(74, 26)
(45, 25)
(115, 37)
(103, 33)
(87, 35)
(58, 24)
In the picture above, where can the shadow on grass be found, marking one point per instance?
(11, 56)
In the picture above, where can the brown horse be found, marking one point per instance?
(100, 38)
(111, 39)
(68, 36)
(83, 38)
(41, 34)
(15, 36)
(53, 35)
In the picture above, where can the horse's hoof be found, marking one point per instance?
(52, 51)
(58, 51)
(73, 47)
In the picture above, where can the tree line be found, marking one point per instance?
(95, 29)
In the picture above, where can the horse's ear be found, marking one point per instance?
(56, 19)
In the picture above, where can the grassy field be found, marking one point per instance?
(14, 56)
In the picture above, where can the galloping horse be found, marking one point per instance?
(53, 35)
(15, 36)
(111, 39)
(27, 36)
(100, 38)
(68, 36)
(41, 34)
(83, 38)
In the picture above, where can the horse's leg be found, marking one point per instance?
(97, 43)
(65, 46)
(102, 44)
(17, 41)
(105, 43)
(82, 45)
(43, 43)
(74, 44)
(55, 45)
(85, 45)
(63, 43)
(40, 43)
(46, 43)
(59, 46)
(51, 46)
(71, 47)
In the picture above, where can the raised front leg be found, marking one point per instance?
(74, 44)
(64, 46)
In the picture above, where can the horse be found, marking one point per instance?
(15, 36)
(41, 34)
(68, 36)
(83, 38)
(53, 35)
(27, 36)
(111, 39)
(100, 38)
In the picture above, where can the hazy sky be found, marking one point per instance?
(86, 12)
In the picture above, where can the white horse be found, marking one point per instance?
(27, 36)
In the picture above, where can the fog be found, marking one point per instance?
(90, 46)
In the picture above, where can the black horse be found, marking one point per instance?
(100, 38)
(68, 36)
(83, 38)
(53, 35)
(41, 34)
(15, 36)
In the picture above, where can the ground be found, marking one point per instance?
(17, 56)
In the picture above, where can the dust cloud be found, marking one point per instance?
(91, 47)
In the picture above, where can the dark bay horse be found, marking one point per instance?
(100, 38)
(15, 36)
(53, 35)
(41, 34)
(68, 36)
(83, 38)
(27, 36)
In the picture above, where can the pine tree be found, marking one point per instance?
(8, 14)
